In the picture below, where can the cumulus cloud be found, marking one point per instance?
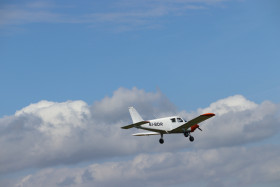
(238, 121)
(236, 103)
(57, 119)
(213, 167)
(114, 108)
(47, 134)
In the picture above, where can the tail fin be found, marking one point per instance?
(134, 115)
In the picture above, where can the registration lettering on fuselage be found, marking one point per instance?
(156, 124)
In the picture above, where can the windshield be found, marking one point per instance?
(180, 120)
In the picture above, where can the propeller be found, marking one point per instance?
(195, 127)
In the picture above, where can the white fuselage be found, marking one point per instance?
(163, 124)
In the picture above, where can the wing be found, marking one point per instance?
(146, 134)
(134, 125)
(192, 122)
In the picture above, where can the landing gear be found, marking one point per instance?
(191, 138)
(161, 141)
(188, 134)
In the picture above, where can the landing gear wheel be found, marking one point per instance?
(186, 134)
(161, 141)
(191, 138)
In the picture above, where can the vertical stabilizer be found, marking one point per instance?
(134, 115)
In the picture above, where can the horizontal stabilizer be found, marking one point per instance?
(146, 134)
(135, 124)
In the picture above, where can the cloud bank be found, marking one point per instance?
(227, 152)
(215, 167)
(49, 133)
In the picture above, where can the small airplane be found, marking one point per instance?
(167, 125)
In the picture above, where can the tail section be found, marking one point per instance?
(134, 115)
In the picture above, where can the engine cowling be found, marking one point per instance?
(194, 127)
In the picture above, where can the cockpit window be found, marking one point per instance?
(179, 120)
(173, 120)
(185, 120)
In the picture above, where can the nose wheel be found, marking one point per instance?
(188, 134)
(191, 138)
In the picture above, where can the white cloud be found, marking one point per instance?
(12, 15)
(237, 121)
(57, 119)
(237, 166)
(235, 103)
(115, 108)
(50, 133)
(47, 134)
(129, 14)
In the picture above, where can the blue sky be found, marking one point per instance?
(194, 52)
(193, 55)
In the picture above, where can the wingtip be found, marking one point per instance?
(208, 114)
